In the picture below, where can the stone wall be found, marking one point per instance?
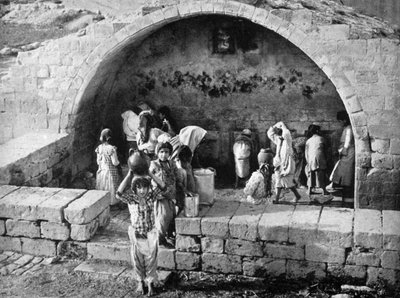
(290, 241)
(61, 86)
(50, 221)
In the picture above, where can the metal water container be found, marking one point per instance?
(192, 205)
(204, 180)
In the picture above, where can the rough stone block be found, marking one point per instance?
(359, 258)
(72, 249)
(10, 243)
(54, 230)
(336, 270)
(382, 161)
(335, 227)
(22, 203)
(52, 209)
(104, 217)
(2, 227)
(263, 267)
(115, 249)
(6, 189)
(243, 248)
(334, 32)
(213, 245)
(305, 269)
(277, 251)
(246, 11)
(391, 229)
(367, 228)
(100, 270)
(244, 223)
(166, 258)
(394, 147)
(390, 259)
(376, 275)
(84, 232)
(220, 263)
(190, 225)
(87, 207)
(187, 261)
(25, 228)
(303, 224)
(187, 243)
(216, 221)
(25, 259)
(273, 225)
(358, 272)
(324, 253)
(39, 247)
(380, 146)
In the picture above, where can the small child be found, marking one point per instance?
(258, 187)
(107, 177)
(142, 232)
(165, 170)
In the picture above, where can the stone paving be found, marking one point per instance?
(22, 264)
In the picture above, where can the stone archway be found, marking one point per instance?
(133, 33)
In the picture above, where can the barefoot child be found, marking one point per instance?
(107, 177)
(142, 232)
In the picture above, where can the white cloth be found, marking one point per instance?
(130, 125)
(190, 136)
(242, 151)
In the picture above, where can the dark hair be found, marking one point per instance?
(343, 116)
(278, 131)
(149, 125)
(164, 145)
(136, 110)
(312, 130)
(166, 111)
(185, 154)
(140, 182)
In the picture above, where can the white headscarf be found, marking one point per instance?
(190, 136)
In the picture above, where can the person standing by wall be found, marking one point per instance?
(130, 126)
(283, 160)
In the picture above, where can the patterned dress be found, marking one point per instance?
(107, 177)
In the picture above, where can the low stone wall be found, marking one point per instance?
(289, 241)
(40, 158)
(44, 221)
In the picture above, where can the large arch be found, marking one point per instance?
(112, 49)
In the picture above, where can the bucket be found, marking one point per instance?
(204, 180)
(192, 205)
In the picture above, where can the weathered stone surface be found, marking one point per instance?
(10, 243)
(54, 230)
(190, 225)
(277, 251)
(354, 271)
(263, 267)
(187, 243)
(334, 32)
(394, 146)
(52, 209)
(25, 228)
(303, 224)
(273, 225)
(187, 261)
(391, 230)
(324, 253)
(243, 248)
(305, 269)
(244, 223)
(359, 258)
(220, 263)
(104, 217)
(85, 231)
(166, 258)
(72, 249)
(87, 207)
(22, 203)
(100, 269)
(213, 245)
(25, 259)
(367, 228)
(335, 227)
(106, 248)
(380, 146)
(39, 247)
(2, 227)
(382, 161)
(6, 189)
(376, 275)
(390, 259)
(215, 222)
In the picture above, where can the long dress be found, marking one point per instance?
(283, 160)
(343, 172)
(165, 208)
(316, 161)
(107, 177)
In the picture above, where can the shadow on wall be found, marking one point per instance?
(17, 175)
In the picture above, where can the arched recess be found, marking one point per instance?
(109, 56)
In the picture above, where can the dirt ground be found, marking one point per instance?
(59, 280)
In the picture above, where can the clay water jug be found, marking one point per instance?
(138, 162)
(265, 156)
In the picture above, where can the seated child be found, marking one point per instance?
(165, 169)
(258, 187)
(142, 232)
